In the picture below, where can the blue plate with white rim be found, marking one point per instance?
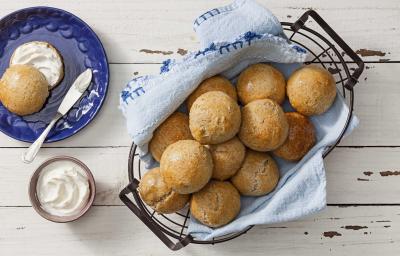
(80, 48)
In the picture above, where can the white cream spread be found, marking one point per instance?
(83, 80)
(63, 188)
(42, 56)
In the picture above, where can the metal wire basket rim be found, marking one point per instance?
(329, 149)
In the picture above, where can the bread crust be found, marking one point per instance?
(264, 125)
(216, 204)
(186, 166)
(156, 194)
(215, 83)
(173, 129)
(311, 90)
(300, 140)
(227, 157)
(214, 118)
(261, 81)
(258, 175)
(23, 89)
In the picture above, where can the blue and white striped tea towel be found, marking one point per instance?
(232, 38)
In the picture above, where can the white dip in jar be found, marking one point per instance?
(62, 188)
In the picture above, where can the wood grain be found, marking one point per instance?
(116, 231)
(151, 31)
(377, 107)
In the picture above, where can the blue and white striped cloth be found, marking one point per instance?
(232, 38)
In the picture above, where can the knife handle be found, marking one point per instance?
(29, 155)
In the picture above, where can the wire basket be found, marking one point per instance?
(326, 48)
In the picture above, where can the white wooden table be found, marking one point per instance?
(363, 215)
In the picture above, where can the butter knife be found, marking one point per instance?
(73, 95)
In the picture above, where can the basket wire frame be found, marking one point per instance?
(322, 52)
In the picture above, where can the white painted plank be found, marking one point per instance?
(376, 104)
(129, 29)
(355, 176)
(108, 165)
(116, 231)
(363, 175)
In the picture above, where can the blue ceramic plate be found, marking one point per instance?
(80, 49)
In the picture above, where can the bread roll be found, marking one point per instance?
(311, 90)
(261, 81)
(216, 204)
(214, 118)
(258, 175)
(23, 89)
(186, 166)
(300, 140)
(227, 157)
(264, 125)
(156, 194)
(173, 129)
(215, 83)
(44, 57)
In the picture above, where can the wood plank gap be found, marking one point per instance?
(356, 205)
(369, 146)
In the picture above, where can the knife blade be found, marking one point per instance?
(73, 95)
(75, 92)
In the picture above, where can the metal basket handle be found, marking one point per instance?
(132, 188)
(357, 72)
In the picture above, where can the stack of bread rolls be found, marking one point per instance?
(222, 150)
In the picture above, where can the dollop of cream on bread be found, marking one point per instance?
(44, 57)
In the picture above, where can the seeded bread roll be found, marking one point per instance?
(173, 129)
(264, 125)
(300, 140)
(215, 83)
(156, 194)
(214, 118)
(258, 175)
(311, 90)
(23, 89)
(216, 204)
(227, 158)
(186, 166)
(261, 81)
